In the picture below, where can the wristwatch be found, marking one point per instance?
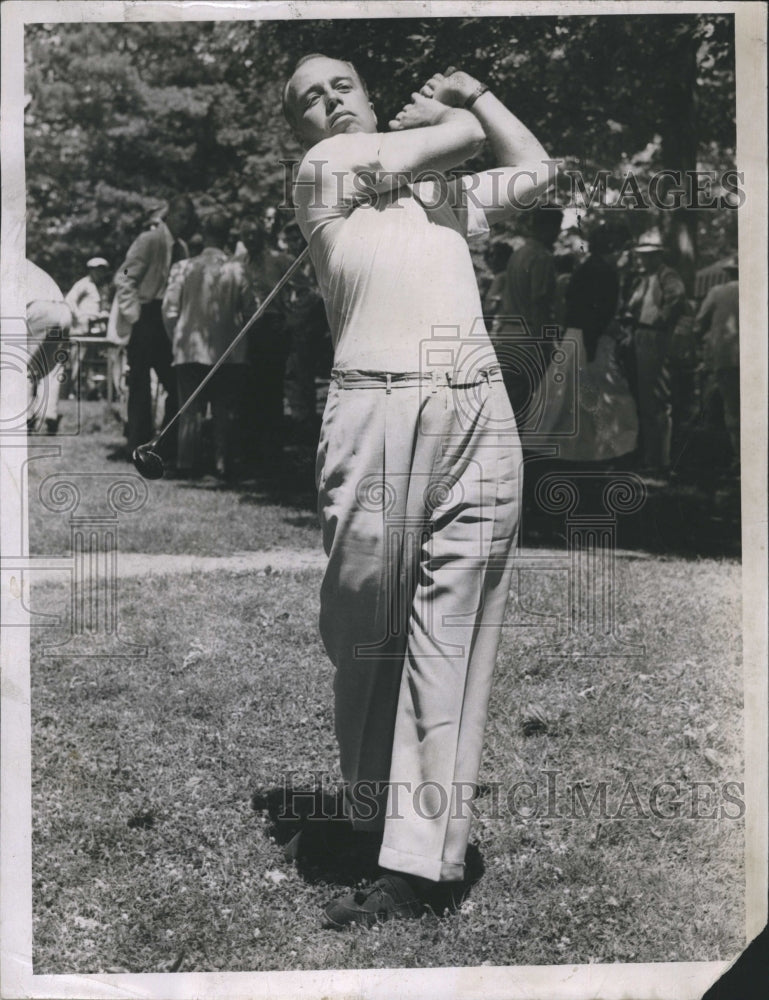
(480, 89)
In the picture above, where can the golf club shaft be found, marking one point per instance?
(256, 316)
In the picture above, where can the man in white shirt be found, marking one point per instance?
(89, 300)
(419, 461)
(89, 297)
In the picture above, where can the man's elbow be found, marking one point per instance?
(543, 172)
(525, 184)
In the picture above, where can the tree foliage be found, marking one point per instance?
(121, 116)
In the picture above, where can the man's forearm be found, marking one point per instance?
(446, 142)
(522, 167)
(512, 144)
(127, 296)
(127, 280)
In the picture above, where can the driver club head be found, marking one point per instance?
(147, 462)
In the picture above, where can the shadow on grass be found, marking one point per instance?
(695, 513)
(290, 485)
(316, 835)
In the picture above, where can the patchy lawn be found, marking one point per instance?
(156, 844)
(201, 517)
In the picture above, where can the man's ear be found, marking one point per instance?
(376, 120)
(298, 137)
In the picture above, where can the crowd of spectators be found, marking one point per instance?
(174, 305)
(604, 356)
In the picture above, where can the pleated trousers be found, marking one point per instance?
(419, 486)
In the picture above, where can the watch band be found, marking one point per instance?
(479, 90)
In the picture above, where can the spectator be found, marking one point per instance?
(308, 329)
(271, 225)
(202, 318)
(587, 410)
(657, 302)
(592, 294)
(528, 308)
(140, 284)
(497, 258)
(195, 244)
(89, 299)
(564, 268)
(719, 320)
(49, 319)
(268, 348)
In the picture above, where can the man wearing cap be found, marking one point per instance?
(418, 468)
(140, 283)
(89, 300)
(719, 320)
(657, 302)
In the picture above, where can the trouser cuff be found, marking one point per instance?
(416, 864)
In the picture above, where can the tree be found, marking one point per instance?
(123, 115)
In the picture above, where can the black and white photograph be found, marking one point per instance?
(383, 457)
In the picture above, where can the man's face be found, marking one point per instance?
(99, 275)
(181, 222)
(269, 217)
(326, 98)
(650, 261)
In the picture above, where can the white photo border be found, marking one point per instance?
(663, 980)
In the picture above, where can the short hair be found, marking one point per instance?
(300, 62)
(216, 226)
(253, 236)
(498, 255)
(600, 240)
(182, 203)
(546, 221)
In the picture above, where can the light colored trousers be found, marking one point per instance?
(419, 500)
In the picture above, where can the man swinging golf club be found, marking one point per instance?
(419, 462)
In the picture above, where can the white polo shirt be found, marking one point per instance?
(393, 273)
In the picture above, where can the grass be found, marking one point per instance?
(149, 854)
(698, 515)
(156, 780)
(178, 515)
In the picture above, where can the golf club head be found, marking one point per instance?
(147, 462)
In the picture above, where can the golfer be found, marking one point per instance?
(419, 462)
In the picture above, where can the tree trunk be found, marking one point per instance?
(679, 151)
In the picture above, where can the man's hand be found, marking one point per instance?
(421, 112)
(523, 169)
(453, 87)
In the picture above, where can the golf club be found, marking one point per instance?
(146, 460)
